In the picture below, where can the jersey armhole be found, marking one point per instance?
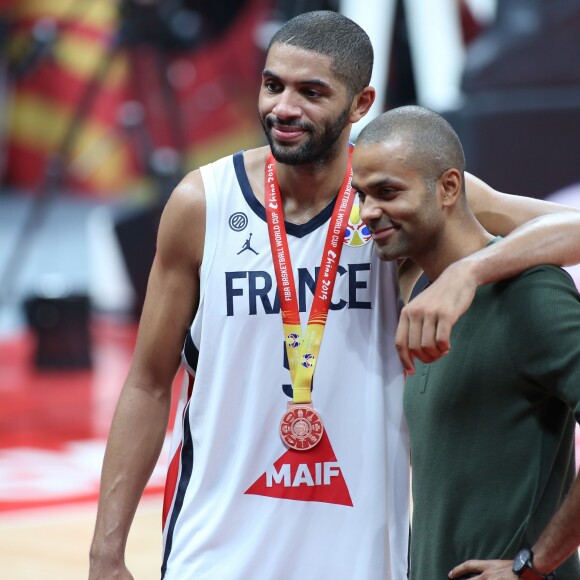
(211, 227)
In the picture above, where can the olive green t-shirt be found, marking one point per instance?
(492, 425)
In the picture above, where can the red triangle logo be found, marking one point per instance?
(312, 475)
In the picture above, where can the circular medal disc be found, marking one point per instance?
(301, 427)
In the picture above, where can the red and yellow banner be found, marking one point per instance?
(107, 107)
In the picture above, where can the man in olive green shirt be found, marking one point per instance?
(492, 423)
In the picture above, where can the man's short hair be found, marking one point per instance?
(435, 146)
(335, 36)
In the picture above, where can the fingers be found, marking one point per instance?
(426, 323)
(422, 336)
(488, 569)
(402, 344)
(469, 569)
(443, 336)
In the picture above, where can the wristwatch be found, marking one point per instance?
(523, 567)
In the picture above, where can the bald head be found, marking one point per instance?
(433, 145)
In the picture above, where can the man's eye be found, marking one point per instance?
(271, 86)
(388, 193)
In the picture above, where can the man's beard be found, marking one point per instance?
(318, 148)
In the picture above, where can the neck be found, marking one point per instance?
(307, 189)
(457, 242)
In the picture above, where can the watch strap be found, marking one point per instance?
(531, 574)
(525, 558)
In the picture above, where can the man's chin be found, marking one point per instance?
(291, 155)
(386, 254)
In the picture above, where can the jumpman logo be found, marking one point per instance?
(247, 246)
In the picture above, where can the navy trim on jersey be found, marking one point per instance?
(190, 352)
(298, 231)
(186, 471)
(420, 285)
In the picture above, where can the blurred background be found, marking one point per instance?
(106, 104)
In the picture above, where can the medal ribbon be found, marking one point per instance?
(303, 354)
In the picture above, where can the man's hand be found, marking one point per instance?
(485, 570)
(108, 571)
(425, 324)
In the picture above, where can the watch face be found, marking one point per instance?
(521, 561)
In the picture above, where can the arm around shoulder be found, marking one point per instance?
(536, 232)
(500, 213)
(141, 417)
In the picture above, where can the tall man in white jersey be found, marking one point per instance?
(290, 452)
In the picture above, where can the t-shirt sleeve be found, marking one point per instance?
(546, 305)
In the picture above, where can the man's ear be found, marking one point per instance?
(361, 104)
(450, 185)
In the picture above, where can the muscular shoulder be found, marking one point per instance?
(182, 226)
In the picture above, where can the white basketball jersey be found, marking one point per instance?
(239, 504)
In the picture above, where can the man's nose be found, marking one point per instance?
(286, 106)
(369, 210)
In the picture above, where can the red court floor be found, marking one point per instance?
(53, 424)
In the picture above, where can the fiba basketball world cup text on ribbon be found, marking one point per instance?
(301, 428)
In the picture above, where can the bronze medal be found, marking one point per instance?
(301, 427)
